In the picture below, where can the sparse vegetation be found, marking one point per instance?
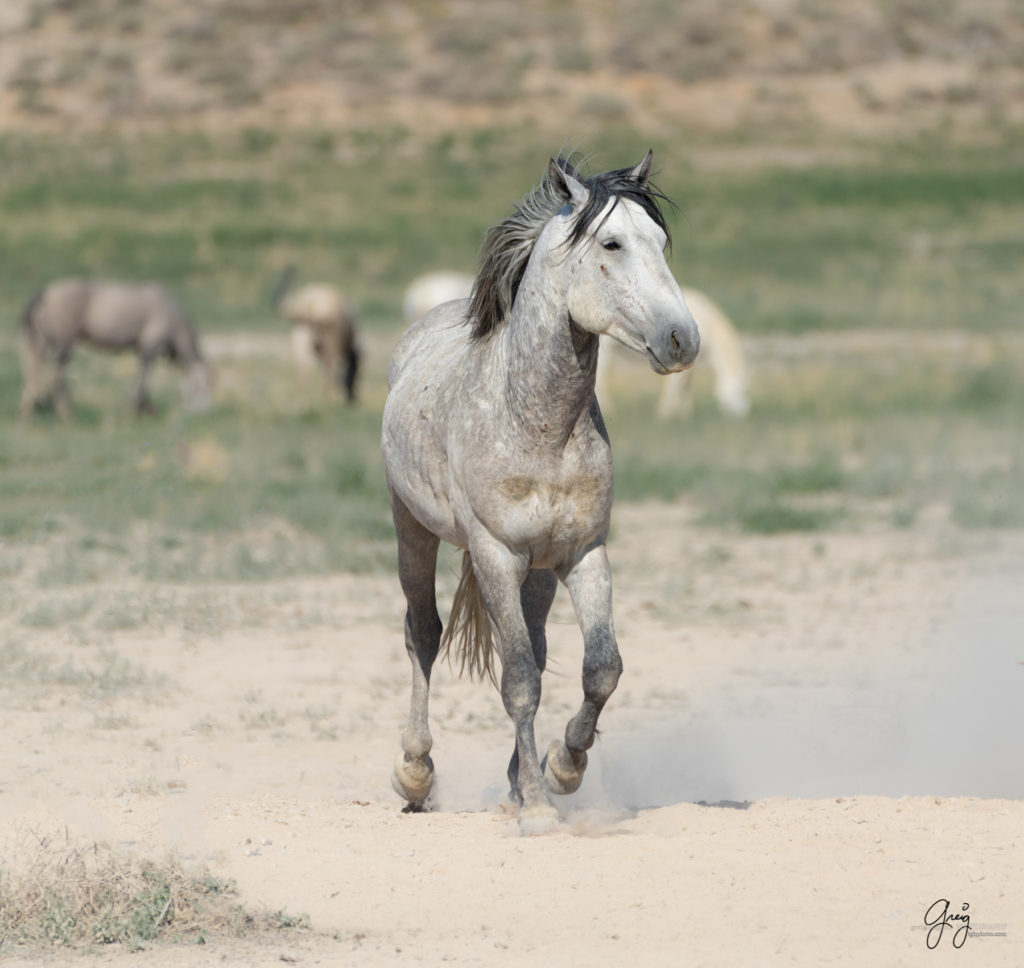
(24, 669)
(83, 896)
(272, 482)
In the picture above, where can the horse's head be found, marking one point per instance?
(197, 386)
(618, 282)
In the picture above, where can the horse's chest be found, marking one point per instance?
(550, 512)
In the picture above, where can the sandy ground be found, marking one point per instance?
(816, 737)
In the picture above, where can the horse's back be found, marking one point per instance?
(433, 289)
(317, 302)
(120, 315)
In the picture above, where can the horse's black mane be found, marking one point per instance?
(508, 244)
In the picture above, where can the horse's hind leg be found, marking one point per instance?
(32, 376)
(536, 596)
(589, 584)
(417, 562)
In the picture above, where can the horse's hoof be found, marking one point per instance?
(538, 820)
(413, 778)
(562, 770)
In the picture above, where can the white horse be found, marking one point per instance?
(432, 289)
(721, 346)
(493, 441)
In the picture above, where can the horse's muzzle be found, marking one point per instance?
(677, 349)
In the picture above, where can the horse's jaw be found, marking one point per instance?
(670, 349)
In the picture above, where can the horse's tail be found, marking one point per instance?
(469, 627)
(29, 312)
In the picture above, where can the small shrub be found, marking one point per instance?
(74, 897)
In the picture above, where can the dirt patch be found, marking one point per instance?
(851, 697)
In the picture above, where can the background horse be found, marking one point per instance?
(493, 441)
(720, 346)
(322, 317)
(143, 317)
(432, 289)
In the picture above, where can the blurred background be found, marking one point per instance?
(849, 188)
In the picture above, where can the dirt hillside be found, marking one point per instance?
(857, 66)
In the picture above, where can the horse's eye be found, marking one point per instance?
(611, 245)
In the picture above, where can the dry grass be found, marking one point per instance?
(54, 892)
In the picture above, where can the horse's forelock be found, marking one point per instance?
(509, 243)
(617, 186)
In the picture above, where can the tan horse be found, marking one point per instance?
(321, 312)
(118, 316)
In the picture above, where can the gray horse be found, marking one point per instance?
(143, 317)
(493, 441)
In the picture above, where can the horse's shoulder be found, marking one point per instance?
(429, 342)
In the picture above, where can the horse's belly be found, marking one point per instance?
(112, 333)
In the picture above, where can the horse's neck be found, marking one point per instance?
(551, 365)
(187, 344)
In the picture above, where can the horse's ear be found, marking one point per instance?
(642, 172)
(574, 191)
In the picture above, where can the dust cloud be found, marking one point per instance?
(949, 723)
(945, 722)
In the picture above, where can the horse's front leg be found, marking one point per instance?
(140, 396)
(500, 575)
(536, 597)
(590, 586)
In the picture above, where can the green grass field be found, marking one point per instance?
(923, 236)
(274, 481)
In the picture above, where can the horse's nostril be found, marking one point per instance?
(676, 345)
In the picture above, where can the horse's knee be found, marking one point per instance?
(520, 685)
(600, 677)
